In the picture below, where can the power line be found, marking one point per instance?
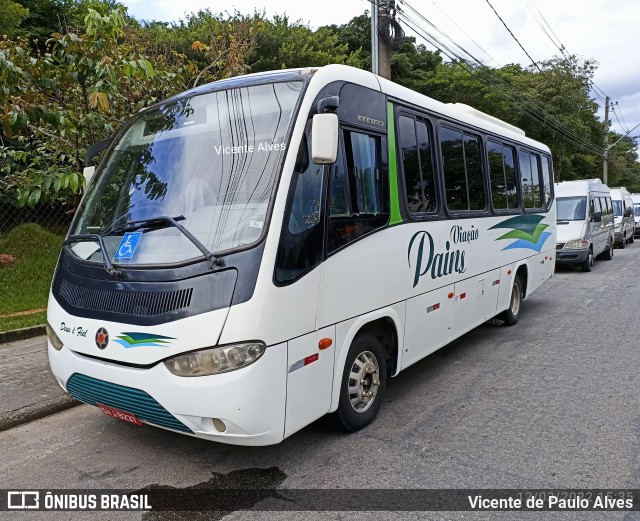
(526, 105)
(513, 36)
(494, 82)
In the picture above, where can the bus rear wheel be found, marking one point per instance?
(512, 314)
(363, 383)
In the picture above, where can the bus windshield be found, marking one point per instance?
(209, 162)
(571, 208)
(617, 208)
(636, 210)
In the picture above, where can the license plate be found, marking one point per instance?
(119, 414)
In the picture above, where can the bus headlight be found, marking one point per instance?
(215, 360)
(53, 338)
(576, 245)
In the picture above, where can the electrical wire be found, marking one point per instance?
(528, 107)
(541, 114)
(514, 36)
(493, 82)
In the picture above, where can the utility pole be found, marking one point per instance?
(384, 53)
(374, 37)
(605, 162)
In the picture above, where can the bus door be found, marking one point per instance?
(310, 357)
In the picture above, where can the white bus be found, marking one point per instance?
(258, 252)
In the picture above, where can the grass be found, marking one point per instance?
(11, 323)
(24, 285)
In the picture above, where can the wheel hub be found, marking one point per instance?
(364, 381)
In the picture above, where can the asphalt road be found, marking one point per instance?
(550, 403)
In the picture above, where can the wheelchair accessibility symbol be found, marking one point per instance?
(128, 245)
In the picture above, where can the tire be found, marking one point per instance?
(632, 239)
(623, 243)
(512, 313)
(588, 262)
(366, 356)
(608, 253)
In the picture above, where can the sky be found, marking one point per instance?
(601, 30)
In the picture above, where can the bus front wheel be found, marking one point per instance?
(363, 383)
(512, 314)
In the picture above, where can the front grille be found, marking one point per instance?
(93, 391)
(559, 245)
(133, 303)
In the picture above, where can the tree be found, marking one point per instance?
(12, 15)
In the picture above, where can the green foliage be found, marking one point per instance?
(284, 45)
(12, 15)
(63, 16)
(36, 251)
(56, 104)
(92, 67)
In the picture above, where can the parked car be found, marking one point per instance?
(636, 213)
(585, 222)
(623, 216)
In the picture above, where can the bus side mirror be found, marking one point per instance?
(324, 139)
(628, 212)
(87, 173)
(597, 217)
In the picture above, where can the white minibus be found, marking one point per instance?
(585, 223)
(623, 216)
(636, 213)
(255, 253)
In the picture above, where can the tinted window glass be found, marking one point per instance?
(530, 179)
(364, 163)
(473, 163)
(301, 240)
(504, 182)
(547, 182)
(357, 198)
(454, 173)
(462, 163)
(417, 166)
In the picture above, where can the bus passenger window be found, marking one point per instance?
(546, 181)
(462, 165)
(473, 165)
(357, 204)
(417, 165)
(504, 182)
(530, 179)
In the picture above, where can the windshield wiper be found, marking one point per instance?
(94, 237)
(156, 223)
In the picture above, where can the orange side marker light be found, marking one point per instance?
(325, 343)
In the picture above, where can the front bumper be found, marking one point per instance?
(250, 401)
(572, 256)
(619, 236)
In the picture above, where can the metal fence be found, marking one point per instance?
(30, 242)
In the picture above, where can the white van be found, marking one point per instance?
(636, 213)
(623, 216)
(585, 222)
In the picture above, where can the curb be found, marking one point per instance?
(37, 411)
(22, 334)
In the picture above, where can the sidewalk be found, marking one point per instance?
(28, 390)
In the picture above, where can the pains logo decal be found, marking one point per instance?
(128, 340)
(526, 230)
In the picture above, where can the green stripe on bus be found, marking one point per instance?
(395, 217)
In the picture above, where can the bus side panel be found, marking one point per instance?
(475, 301)
(428, 324)
(309, 378)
